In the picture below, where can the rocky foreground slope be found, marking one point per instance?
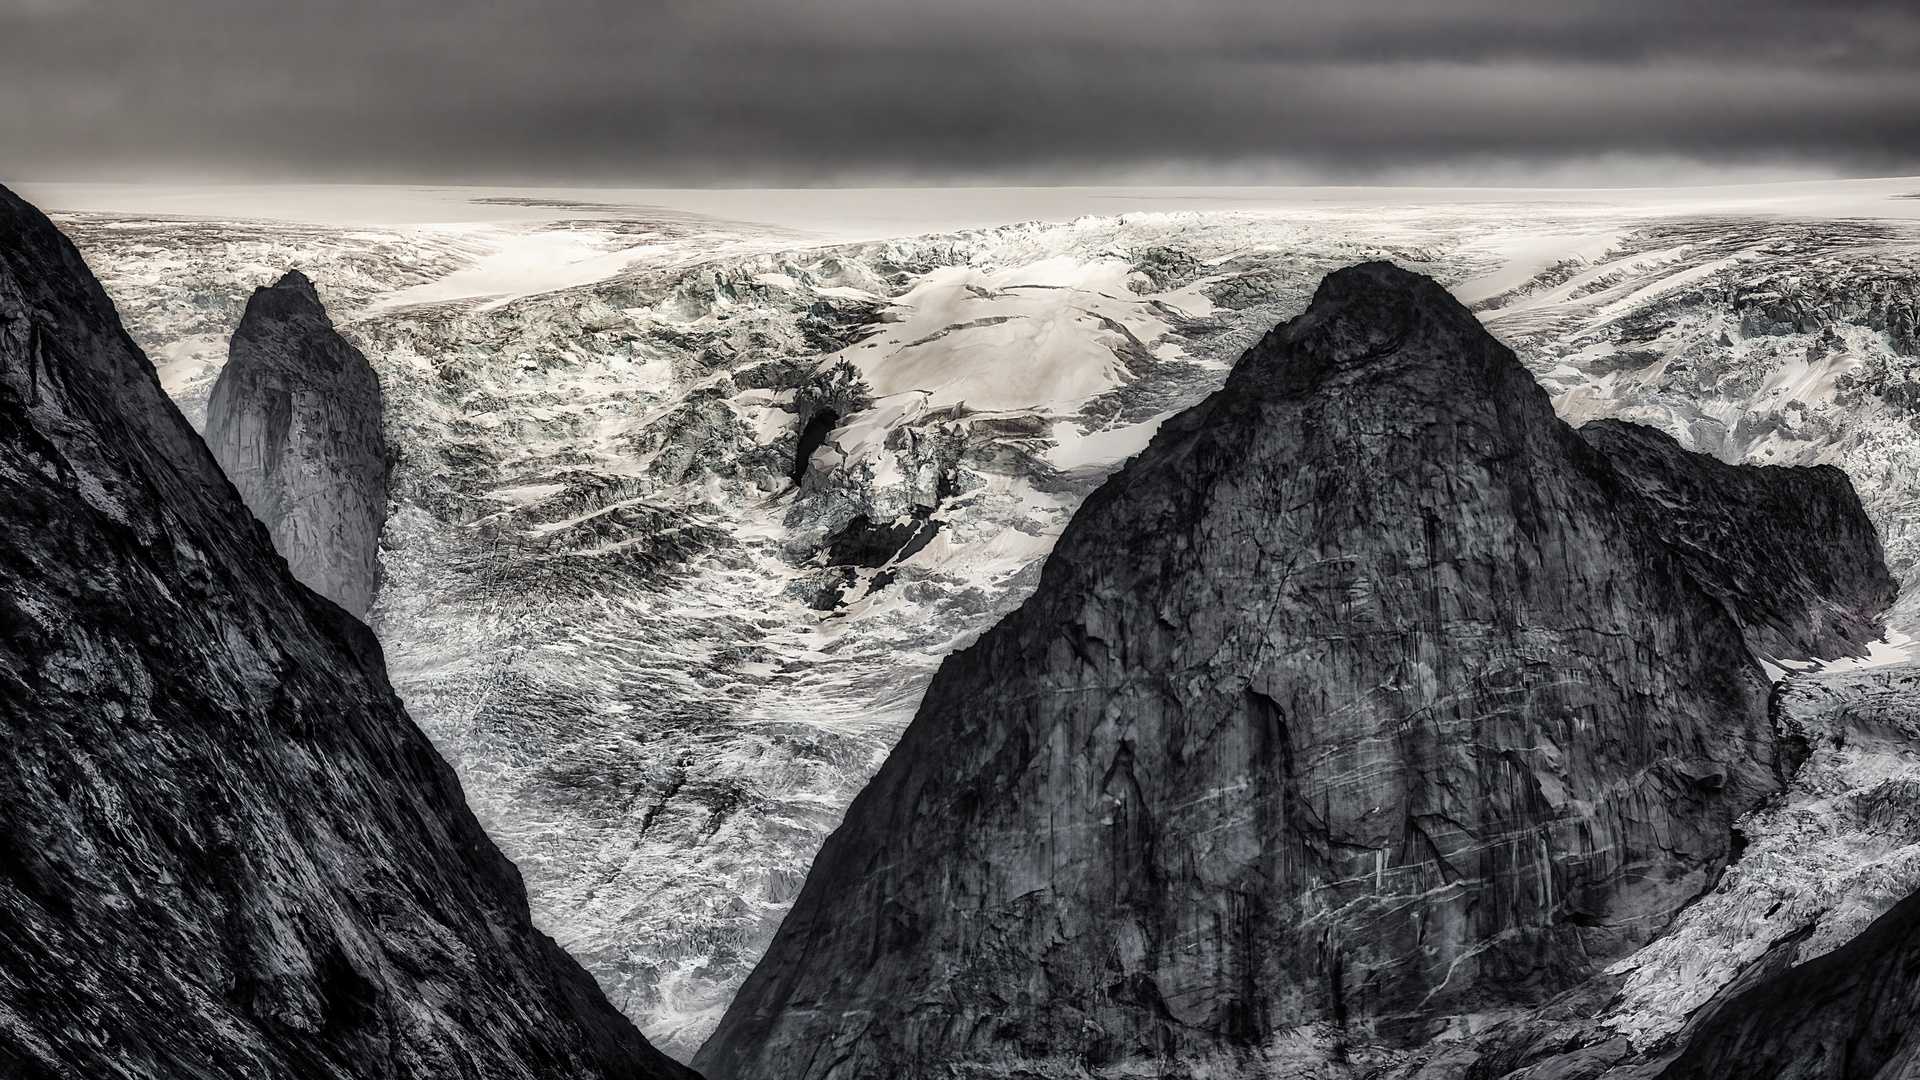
(1369, 698)
(227, 851)
(294, 421)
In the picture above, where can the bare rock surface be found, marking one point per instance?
(1799, 962)
(1370, 702)
(294, 420)
(1788, 552)
(227, 850)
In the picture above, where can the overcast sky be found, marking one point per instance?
(861, 91)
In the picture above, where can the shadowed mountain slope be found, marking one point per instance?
(227, 850)
(1787, 551)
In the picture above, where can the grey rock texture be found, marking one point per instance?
(1801, 962)
(1368, 699)
(1788, 552)
(295, 421)
(227, 851)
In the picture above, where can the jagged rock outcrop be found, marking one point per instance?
(1789, 552)
(295, 421)
(1368, 697)
(227, 851)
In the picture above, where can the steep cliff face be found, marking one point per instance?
(1369, 697)
(295, 421)
(1788, 552)
(227, 851)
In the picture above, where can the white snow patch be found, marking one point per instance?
(1895, 648)
(1072, 450)
(528, 494)
(1523, 255)
(522, 264)
(1026, 337)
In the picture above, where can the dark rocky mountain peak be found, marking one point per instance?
(226, 851)
(1368, 698)
(295, 421)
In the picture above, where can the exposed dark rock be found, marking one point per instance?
(864, 543)
(813, 435)
(295, 422)
(1788, 551)
(1847, 726)
(227, 851)
(1368, 696)
(821, 404)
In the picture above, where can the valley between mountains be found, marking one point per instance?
(677, 533)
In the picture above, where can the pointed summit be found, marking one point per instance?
(294, 292)
(1367, 697)
(294, 420)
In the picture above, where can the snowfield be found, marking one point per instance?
(663, 667)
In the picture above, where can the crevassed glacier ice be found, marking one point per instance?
(614, 609)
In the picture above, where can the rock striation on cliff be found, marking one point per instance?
(1368, 698)
(1803, 963)
(227, 851)
(294, 420)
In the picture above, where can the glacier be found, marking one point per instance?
(643, 643)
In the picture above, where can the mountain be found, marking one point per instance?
(1370, 697)
(228, 852)
(294, 420)
(608, 603)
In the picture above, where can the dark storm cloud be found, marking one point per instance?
(838, 89)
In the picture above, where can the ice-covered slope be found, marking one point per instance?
(602, 581)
